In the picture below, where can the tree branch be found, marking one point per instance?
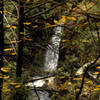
(40, 13)
(83, 78)
(35, 89)
(36, 6)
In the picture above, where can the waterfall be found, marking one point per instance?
(50, 64)
(52, 53)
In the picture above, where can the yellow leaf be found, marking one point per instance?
(85, 41)
(98, 86)
(86, 88)
(27, 23)
(61, 77)
(19, 83)
(5, 11)
(8, 49)
(69, 83)
(12, 83)
(27, 1)
(13, 41)
(21, 32)
(95, 73)
(56, 22)
(63, 19)
(1, 76)
(89, 82)
(72, 18)
(0, 11)
(17, 86)
(83, 24)
(14, 27)
(77, 79)
(5, 69)
(47, 25)
(8, 26)
(6, 77)
(64, 40)
(96, 89)
(6, 90)
(27, 39)
(85, 93)
(98, 67)
(77, 89)
(64, 46)
(35, 26)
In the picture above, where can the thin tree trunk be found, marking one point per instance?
(20, 39)
(1, 45)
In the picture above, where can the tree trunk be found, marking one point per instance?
(1, 45)
(20, 39)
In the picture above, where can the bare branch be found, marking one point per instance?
(83, 78)
(8, 36)
(35, 89)
(16, 8)
(40, 13)
(36, 6)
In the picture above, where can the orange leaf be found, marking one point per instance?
(13, 53)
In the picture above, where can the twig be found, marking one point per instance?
(42, 77)
(45, 89)
(91, 15)
(11, 65)
(10, 27)
(15, 7)
(36, 6)
(40, 13)
(36, 93)
(83, 78)
(97, 29)
(13, 34)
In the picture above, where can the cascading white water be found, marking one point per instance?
(50, 62)
(52, 53)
